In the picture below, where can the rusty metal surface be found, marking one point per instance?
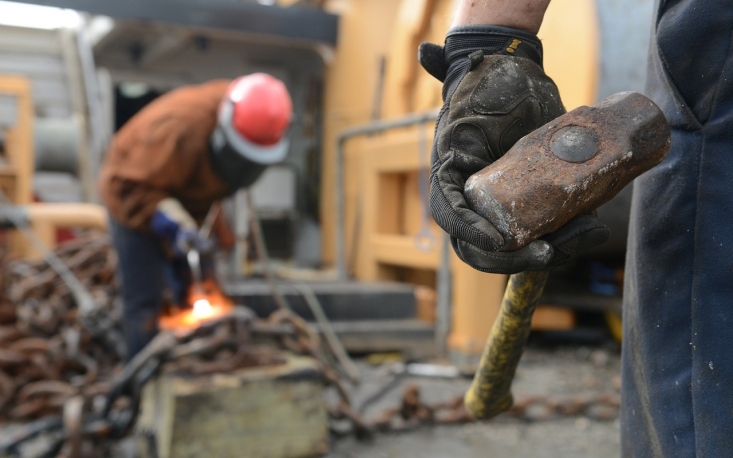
(569, 167)
(69, 385)
(413, 412)
(46, 355)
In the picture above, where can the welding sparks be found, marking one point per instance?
(202, 309)
(208, 303)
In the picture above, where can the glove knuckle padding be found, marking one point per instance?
(507, 98)
(505, 82)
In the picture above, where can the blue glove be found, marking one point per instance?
(172, 223)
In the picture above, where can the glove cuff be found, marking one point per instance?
(172, 209)
(462, 41)
(491, 39)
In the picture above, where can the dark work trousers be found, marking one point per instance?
(677, 357)
(145, 273)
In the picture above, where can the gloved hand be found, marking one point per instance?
(494, 92)
(174, 224)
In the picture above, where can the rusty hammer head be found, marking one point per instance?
(569, 167)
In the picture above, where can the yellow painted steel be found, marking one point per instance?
(376, 29)
(614, 322)
(18, 157)
(571, 43)
(490, 393)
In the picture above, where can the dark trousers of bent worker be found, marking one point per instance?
(145, 273)
(677, 361)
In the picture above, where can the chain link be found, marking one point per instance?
(69, 382)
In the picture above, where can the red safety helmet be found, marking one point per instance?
(253, 119)
(262, 108)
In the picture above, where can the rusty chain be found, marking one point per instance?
(68, 382)
(55, 371)
(412, 412)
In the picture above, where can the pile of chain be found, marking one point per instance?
(413, 412)
(68, 383)
(66, 380)
(602, 406)
(46, 355)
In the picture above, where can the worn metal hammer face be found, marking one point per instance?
(569, 167)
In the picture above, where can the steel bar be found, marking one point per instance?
(339, 188)
(306, 24)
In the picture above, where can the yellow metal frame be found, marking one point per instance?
(382, 198)
(16, 178)
(19, 143)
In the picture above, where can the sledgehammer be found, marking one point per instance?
(566, 168)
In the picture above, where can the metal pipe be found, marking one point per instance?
(370, 128)
(241, 231)
(207, 226)
(332, 339)
(67, 215)
(442, 304)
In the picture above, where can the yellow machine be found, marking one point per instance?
(373, 200)
(381, 177)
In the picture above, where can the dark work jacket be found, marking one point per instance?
(677, 360)
(163, 151)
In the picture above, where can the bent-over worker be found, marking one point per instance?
(166, 167)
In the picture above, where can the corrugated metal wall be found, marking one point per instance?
(38, 55)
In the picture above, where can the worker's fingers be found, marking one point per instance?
(451, 212)
(432, 59)
(534, 256)
(577, 237)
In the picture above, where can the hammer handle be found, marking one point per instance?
(490, 393)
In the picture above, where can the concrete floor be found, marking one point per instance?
(566, 438)
(542, 372)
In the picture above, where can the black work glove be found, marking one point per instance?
(495, 92)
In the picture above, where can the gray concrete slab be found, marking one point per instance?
(542, 372)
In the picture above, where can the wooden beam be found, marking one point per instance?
(401, 250)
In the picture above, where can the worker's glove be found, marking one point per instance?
(175, 225)
(494, 92)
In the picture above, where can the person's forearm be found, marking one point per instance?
(519, 14)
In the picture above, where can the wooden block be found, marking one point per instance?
(553, 318)
(269, 412)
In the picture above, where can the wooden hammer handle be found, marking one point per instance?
(490, 393)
